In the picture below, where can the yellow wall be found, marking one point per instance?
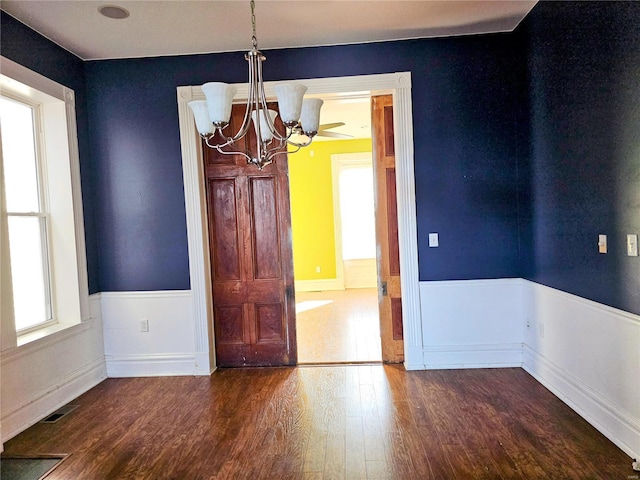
(310, 181)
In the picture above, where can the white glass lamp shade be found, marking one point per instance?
(219, 99)
(310, 115)
(201, 114)
(265, 132)
(290, 100)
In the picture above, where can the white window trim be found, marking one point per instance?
(39, 83)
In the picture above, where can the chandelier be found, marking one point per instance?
(300, 116)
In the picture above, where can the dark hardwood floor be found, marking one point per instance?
(348, 422)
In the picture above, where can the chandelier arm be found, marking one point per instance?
(300, 145)
(211, 135)
(234, 152)
(246, 121)
(271, 157)
(220, 147)
(263, 101)
(257, 111)
(278, 148)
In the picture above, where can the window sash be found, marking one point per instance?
(39, 287)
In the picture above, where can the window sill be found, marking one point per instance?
(43, 332)
(43, 338)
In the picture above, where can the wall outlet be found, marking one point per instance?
(318, 269)
(144, 325)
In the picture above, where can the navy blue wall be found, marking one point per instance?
(584, 63)
(26, 47)
(469, 128)
(526, 148)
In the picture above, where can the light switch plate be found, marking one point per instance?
(433, 240)
(632, 245)
(602, 243)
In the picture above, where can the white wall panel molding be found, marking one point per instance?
(361, 273)
(319, 285)
(473, 356)
(151, 365)
(619, 426)
(471, 323)
(588, 355)
(61, 367)
(167, 348)
(42, 403)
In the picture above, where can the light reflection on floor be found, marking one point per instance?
(338, 326)
(310, 305)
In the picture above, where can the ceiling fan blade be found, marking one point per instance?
(322, 133)
(328, 126)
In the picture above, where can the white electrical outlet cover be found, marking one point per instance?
(632, 245)
(433, 240)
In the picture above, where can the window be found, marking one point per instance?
(44, 282)
(26, 214)
(357, 211)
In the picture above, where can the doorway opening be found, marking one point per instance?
(204, 320)
(334, 239)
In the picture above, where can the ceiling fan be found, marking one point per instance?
(323, 130)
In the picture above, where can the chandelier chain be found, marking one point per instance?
(212, 116)
(254, 38)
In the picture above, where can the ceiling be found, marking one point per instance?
(156, 28)
(181, 27)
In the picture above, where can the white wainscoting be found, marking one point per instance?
(588, 355)
(168, 348)
(471, 323)
(321, 285)
(40, 377)
(360, 273)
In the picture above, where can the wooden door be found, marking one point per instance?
(384, 167)
(251, 257)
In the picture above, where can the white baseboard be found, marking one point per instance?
(319, 285)
(360, 273)
(605, 416)
(588, 355)
(473, 356)
(165, 365)
(35, 409)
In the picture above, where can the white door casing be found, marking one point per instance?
(397, 84)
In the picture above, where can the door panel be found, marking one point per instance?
(251, 259)
(392, 220)
(264, 220)
(224, 216)
(269, 326)
(390, 296)
(229, 325)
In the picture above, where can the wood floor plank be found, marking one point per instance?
(338, 326)
(352, 422)
(355, 464)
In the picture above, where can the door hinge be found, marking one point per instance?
(384, 289)
(288, 291)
